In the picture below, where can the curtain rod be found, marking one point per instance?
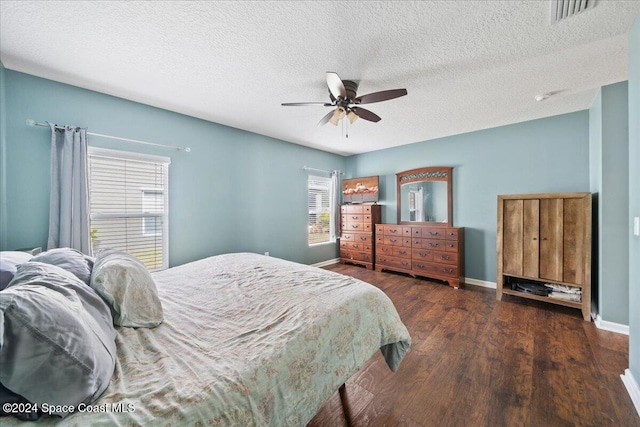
(31, 122)
(307, 168)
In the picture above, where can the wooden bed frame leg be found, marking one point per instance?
(345, 404)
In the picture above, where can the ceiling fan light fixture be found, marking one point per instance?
(352, 116)
(338, 114)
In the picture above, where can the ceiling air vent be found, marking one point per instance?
(561, 9)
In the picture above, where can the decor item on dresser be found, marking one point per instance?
(357, 241)
(360, 190)
(425, 242)
(545, 239)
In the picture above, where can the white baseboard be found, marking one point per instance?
(632, 388)
(482, 283)
(326, 263)
(611, 326)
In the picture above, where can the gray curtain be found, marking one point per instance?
(336, 192)
(69, 205)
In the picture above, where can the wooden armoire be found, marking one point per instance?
(545, 239)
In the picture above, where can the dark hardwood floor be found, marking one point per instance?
(475, 361)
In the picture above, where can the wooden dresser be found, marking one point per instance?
(421, 250)
(357, 242)
(545, 239)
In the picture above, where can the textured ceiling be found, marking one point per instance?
(467, 65)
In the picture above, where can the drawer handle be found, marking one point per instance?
(446, 257)
(354, 226)
(434, 245)
(450, 245)
(393, 240)
(393, 231)
(535, 238)
(354, 217)
(422, 254)
(420, 265)
(433, 234)
(544, 238)
(448, 270)
(402, 252)
(452, 234)
(363, 238)
(404, 263)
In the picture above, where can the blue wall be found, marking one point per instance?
(3, 159)
(609, 141)
(540, 156)
(634, 198)
(235, 191)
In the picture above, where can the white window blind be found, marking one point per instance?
(128, 198)
(319, 204)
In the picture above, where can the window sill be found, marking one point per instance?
(331, 242)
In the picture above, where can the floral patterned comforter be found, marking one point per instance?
(247, 340)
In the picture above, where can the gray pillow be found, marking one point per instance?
(128, 288)
(57, 338)
(9, 261)
(68, 259)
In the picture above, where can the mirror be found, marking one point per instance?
(424, 196)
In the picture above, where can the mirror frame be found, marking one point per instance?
(435, 173)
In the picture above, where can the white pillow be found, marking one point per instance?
(68, 259)
(128, 288)
(57, 338)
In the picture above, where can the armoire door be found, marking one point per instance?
(512, 237)
(530, 239)
(574, 241)
(551, 239)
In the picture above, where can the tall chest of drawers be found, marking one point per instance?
(435, 252)
(357, 241)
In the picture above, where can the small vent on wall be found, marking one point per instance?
(562, 9)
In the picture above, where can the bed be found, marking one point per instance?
(246, 340)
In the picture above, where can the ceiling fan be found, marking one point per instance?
(343, 97)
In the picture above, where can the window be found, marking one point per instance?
(319, 203)
(128, 195)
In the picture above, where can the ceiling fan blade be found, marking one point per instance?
(336, 87)
(290, 104)
(326, 118)
(366, 114)
(384, 95)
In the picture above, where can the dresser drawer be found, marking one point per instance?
(422, 254)
(433, 233)
(451, 246)
(435, 269)
(393, 262)
(366, 209)
(384, 250)
(357, 209)
(353, 217)
(356, 256)
(351, 246)
(445, 257)
(393, 230)
(355, 226)
(392, 240)
(379, 229)
(402, 252)
(433, 244)
(452, 233)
